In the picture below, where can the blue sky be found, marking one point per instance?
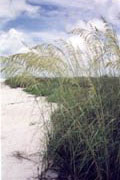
(36, 21)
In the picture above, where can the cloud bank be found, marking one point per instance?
(36, 21)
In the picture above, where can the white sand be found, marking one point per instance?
(22, 130)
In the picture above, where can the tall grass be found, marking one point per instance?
(83, 142)
(84, 139)
(85, 136)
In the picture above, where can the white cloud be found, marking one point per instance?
(47, 36)
(12, 42)
(114, 12)
(98, 23)
(79, 23)
(101, 1)
(109, 9)
(77, 42)
(16, 41)
(85, 4)
(65, 3)
(10, 9)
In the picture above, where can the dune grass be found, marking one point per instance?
(20, 81)
(85, 137)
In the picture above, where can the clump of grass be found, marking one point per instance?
(44, 87)
(20, 81)
(85, 136)
(84, 139)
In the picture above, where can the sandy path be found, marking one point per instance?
(22, 131)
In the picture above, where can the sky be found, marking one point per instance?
(25, 23)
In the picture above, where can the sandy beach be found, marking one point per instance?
(22, 132)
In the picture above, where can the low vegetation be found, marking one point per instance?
(20, 81)
(84, 142)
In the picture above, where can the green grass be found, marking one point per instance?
(20, 81)
(85, 137)
(44, 87)
(56, 89)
